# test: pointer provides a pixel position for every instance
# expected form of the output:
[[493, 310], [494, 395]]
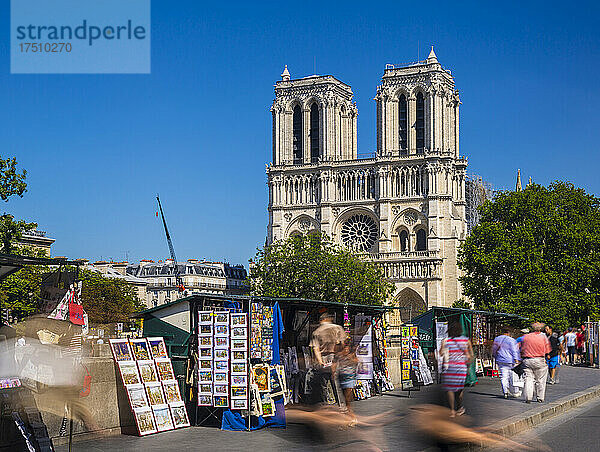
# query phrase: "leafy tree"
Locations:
[[20, 292], [462, 304], [12, 183], [536, 253], [108, 300], [311, 266]]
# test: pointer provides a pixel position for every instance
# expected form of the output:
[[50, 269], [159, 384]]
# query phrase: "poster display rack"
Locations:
[[147, 374]]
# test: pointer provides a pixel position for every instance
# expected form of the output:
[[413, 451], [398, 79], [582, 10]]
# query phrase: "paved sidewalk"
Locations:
[[483, 402]]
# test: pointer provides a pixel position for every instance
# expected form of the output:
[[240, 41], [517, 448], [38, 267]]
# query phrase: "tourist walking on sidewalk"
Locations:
[[457, 353], [506, 353], [534, 348], [571, 339], [553, 358]]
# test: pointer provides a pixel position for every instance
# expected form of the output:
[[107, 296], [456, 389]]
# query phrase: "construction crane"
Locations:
[[178, 279]]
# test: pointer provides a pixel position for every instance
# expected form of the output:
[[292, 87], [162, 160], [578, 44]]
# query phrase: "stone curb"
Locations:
[[532, 418]]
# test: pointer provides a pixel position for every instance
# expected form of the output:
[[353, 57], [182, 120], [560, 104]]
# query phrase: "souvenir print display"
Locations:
[[410, 376], [205, 400], [238, 332], [268, 406], [239, 356], [239, 392], [129, 373], [220, 389], [137, 396], [165, 369], [162, 416], [261, 332], [221, 330], [205, 317], [149, 401], [221, 401], [155, 394], [362, 341], [157, 347], [171, 390], [205, 353], [221, 354], [179, 414], [121, 350], [239, 380], [140, 349], [221, 341], [147, 371], [144, 421], [275, 382], [205, 341], [205, 376], [221, 366], [221, 318]]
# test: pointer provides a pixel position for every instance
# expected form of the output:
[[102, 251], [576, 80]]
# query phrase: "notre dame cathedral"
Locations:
[[403, 206]]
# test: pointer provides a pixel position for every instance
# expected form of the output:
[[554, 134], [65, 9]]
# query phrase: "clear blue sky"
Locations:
[[98, 148]]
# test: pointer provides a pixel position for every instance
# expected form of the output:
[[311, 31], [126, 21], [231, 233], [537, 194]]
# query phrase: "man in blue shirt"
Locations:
[[506, 353]]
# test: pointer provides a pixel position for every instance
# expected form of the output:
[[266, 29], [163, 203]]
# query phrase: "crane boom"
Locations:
[[178, 279]]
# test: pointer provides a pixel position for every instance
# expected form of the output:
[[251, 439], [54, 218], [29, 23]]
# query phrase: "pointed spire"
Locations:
[[530, 182], [432, 58], [285, 75], [519, 187]]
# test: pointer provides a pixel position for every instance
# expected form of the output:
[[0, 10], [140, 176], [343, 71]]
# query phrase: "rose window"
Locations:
[[359, 232]]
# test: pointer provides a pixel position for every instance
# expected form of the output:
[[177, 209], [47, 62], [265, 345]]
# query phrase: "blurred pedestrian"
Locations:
[[580, 344], [571, 339], [346, 370], [458, 353], [552, 358], [534, 348], [506, 353], [563, 348], [326, 342]]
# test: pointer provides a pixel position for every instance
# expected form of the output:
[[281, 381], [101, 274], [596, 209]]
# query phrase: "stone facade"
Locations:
[[404, 206]]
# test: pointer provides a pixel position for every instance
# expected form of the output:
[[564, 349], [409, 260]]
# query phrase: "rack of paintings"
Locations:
[[223, 359], [153, 392]]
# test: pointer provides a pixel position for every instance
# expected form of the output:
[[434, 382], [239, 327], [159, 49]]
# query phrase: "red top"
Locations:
[[535, 345], [580, 340]]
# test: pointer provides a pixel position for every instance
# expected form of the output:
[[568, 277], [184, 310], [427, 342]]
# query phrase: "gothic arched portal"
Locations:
[[410, 303]]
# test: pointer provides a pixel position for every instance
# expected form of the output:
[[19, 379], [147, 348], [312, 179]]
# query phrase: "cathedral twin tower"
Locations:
[[403, 206]]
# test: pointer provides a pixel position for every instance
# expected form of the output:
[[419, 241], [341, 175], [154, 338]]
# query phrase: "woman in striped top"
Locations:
[[458, 353]]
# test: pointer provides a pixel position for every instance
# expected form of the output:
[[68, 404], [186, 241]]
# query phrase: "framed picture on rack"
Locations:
[[147, 371], [121, 350], [221, 401], [205, 352], [222, 330], [221, 366], [220, 390], [239, 320], [171, 390], [162, 415], [240, 368], [205, 376], [239, 355], [239, 332], [144, 421], [155, 394], [205, 400], [261, 377], [205, 341], [205, 330], [158, 347], [221, 377], [239, 392], [129, 373], [205, 364], [239, 404], [239, 344], [221, 318], [239, 380], [165, 369], [179, 414], [140, 349], [205, 388], [205, 318], [221, 341], [137, 396], [221, 354]]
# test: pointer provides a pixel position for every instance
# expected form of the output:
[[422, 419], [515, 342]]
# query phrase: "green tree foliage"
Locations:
[[20, 292], [311, 267], [108, 300], [12, 182], [536, 253], [462, 304]]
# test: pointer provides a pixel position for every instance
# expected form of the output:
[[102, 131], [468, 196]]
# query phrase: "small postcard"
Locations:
[[222, 330], [220, 389], [222, 318], [221, 377], [147, 371], [205, 364], [221, 354], [221, 401], [140, 349], [205, 330], [239, 344], [239, 332], [221, 341], [205, 400], [204, 388], [239, 380], [239, 404], [179, 413], [205, 318], [239, 392], [121, 350], [158, 347], [239, 320], [205, 352], [240, 368], [155, 394], [205, 341]]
